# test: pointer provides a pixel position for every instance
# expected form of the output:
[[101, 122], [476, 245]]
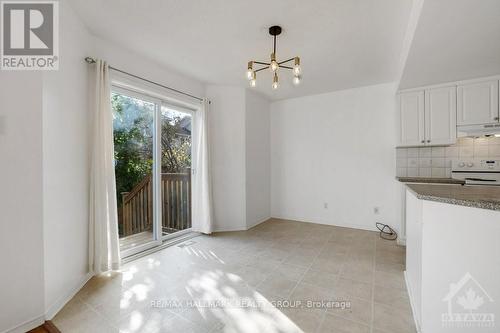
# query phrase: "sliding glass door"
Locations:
[[153, 159], [133, 131], [176, 158]]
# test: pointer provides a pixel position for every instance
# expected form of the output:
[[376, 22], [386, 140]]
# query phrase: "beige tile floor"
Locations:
[[252, 281]]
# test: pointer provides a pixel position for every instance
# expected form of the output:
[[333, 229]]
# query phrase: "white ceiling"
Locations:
[[454, 40], [342, 43]]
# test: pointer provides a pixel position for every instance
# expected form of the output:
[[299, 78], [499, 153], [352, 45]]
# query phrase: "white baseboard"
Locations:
[[344, 225], [227, 229], [250, 226], [412, 302], [26, 326], [52, 310], [241, 228]]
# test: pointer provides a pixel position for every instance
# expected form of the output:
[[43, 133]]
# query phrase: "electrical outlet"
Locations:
[[376, 210]]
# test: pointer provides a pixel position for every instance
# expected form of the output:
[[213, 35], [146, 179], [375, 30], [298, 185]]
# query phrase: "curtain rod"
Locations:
[[91, 60]]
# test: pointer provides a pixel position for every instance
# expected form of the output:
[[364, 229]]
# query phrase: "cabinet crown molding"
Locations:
[[451, 84]]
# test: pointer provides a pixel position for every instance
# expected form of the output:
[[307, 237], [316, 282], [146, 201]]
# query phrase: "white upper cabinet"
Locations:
[[428, 117], [477, 103], [411, 119], [441, 116]]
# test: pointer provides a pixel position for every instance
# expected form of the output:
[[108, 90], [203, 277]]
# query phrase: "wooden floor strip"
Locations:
[[47, 327]]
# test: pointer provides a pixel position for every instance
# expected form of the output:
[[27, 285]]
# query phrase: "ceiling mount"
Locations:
[[275, 30]]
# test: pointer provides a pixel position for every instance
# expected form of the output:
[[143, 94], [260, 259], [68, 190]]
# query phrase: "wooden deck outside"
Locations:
[[129, 242], [135, 214]]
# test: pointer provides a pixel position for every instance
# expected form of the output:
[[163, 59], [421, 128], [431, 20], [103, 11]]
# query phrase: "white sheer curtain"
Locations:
[[104, 248], [202, 180]]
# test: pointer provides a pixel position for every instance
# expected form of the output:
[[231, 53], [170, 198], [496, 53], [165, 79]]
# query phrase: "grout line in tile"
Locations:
[[299, 281], [349, 252], [105, 318]]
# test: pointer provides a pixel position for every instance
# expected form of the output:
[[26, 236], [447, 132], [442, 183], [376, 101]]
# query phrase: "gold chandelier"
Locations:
[[274, 65]]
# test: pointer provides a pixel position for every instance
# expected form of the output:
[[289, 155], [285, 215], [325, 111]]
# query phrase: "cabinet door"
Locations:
[[477, 103], [411, 119], [441, 116]]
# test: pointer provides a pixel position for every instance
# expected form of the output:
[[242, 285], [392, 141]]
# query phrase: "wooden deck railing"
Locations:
[[136, 213]]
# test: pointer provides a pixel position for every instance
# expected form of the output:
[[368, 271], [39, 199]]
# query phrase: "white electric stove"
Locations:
[[477, 171]]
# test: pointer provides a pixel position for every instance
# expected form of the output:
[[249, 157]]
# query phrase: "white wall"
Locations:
[[336, 148], [258, 159], [21, 236], [240, 156], [227, 136], [47, 174], [129, 61], [65, 166]]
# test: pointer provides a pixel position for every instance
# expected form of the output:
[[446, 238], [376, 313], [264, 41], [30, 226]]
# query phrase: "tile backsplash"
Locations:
[[435, 162]]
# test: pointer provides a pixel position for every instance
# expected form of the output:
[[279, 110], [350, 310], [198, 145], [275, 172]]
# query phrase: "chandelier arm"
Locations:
[[286, 67], [261, 69], [261, 63], [285, 61]]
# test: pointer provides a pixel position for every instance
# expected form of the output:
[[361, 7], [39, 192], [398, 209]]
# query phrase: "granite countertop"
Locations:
[[430, 180], [486, 197]]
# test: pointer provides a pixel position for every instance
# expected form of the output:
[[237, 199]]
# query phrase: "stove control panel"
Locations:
[[490, 165], [476, 165]]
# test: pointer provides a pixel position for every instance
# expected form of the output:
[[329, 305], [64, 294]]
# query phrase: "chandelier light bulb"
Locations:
[[296, 67], [253, 80], [250, 72], [275, 81], [296, 80], [274, 65]]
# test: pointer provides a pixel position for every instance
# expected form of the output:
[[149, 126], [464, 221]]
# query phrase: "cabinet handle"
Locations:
[[428, 141], [423, 141], [496, 118]]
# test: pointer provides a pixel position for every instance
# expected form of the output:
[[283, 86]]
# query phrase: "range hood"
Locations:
[[478, 130]]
